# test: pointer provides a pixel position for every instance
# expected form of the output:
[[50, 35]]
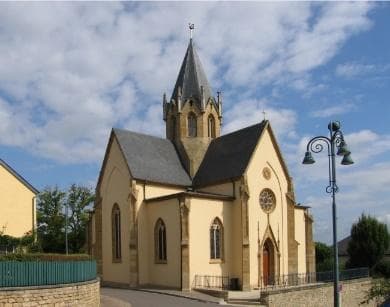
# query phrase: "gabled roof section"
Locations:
[[191, 77], [19, 177], [152, 159], [228, 156]]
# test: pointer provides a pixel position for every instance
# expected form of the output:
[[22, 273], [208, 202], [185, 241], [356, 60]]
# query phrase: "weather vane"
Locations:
[[263, 114], [192, 27]]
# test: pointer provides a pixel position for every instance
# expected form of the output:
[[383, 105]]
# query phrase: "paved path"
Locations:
[[111, 297]]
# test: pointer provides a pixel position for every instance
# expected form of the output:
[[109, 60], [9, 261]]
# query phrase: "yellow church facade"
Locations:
[[17, 203], [170, 211]]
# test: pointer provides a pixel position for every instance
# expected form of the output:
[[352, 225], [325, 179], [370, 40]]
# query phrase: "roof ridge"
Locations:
[[138, 133], [263, 122]]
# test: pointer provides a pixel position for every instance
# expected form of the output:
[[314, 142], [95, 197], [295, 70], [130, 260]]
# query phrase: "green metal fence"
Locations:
[[39, 273]]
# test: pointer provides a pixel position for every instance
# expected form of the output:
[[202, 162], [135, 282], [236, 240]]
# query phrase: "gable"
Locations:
[[18, 177], [268, 148]]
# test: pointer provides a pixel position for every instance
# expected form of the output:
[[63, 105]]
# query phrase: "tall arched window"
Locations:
[[192, 126], [211, 126], [160, 239], [216, 239], [116, 233]]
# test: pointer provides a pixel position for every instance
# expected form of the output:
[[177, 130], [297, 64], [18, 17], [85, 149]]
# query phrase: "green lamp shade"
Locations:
[[343, 149], [347, 160], [308, 159]]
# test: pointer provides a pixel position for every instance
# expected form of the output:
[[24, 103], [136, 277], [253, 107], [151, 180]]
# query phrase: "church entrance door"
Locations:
[[266, 265]]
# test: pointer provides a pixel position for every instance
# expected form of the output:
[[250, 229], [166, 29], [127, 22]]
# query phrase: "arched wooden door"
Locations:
[[266, 265]]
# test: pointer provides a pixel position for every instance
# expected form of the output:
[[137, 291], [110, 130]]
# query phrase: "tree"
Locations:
[[323, 257], [51, 220], [78, 200], [369, 241]]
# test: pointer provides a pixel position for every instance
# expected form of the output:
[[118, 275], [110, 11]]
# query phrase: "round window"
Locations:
[[267, 200]]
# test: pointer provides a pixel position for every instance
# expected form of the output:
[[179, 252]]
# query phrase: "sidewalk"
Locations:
[[193, 295]]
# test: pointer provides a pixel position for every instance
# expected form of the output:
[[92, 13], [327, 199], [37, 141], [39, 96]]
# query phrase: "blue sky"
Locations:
[[71, 71]]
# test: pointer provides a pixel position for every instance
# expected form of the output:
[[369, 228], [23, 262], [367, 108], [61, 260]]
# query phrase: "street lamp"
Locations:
[[316, 145]]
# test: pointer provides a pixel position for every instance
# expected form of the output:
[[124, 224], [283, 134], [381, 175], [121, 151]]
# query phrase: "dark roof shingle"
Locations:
[[152, 159], [191, 77], [228, 156]]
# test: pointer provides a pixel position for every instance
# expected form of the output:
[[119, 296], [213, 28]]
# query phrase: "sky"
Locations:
[[70, 71]]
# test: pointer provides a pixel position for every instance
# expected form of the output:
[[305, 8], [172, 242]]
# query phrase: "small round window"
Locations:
[[267, 200]]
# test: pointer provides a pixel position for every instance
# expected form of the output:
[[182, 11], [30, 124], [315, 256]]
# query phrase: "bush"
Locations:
[[45, 257], [382, 269]]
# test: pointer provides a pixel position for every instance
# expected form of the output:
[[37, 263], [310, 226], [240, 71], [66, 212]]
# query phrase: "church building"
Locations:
[[170, 211]]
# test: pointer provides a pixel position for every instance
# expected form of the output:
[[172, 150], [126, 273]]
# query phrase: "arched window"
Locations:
[[160, 239], [192, 126], [216, 239], [116, 233], [211, 126]]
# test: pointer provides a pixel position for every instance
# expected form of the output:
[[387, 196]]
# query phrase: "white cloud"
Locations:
[[350, 70], [334, 110], [71, 71], [249, 112]]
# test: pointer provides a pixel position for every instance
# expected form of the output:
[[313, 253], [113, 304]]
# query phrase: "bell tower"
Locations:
[[193, 116]]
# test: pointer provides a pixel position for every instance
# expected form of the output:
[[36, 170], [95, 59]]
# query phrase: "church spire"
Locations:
[[192, 81], [193, 116]]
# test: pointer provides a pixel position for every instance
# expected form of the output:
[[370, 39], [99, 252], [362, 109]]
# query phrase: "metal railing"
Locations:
[[7, 249], [279, 281], [292, 280], [39, 273], [211, 282]]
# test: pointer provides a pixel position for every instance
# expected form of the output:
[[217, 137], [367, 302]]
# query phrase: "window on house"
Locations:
[[160, 239], [116, 233], [216, 239], [211, 127], [192, 126]]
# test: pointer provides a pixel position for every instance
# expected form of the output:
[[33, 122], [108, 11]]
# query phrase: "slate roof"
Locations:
[[19, 177], [152, 159], [191, 77], [228, 156]]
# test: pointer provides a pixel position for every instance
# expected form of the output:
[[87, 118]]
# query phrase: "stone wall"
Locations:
[[85, 294], [353, 292]]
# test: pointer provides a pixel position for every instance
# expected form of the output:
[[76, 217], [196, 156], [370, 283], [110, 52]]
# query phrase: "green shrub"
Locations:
[[382, 269]]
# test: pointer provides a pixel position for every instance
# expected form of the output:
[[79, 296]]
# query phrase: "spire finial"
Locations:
[[191, 26], [263, 114]]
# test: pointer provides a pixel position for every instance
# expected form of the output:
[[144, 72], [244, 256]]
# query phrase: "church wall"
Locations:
[[265, 155], [17, 205], [300, 237], [163, 274], [201, 216], [151, 190], [115, 189], [226, 188], [156, 190], [236, 267]]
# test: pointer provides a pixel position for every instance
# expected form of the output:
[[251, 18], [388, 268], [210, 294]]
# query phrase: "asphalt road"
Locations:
[[125, 298]]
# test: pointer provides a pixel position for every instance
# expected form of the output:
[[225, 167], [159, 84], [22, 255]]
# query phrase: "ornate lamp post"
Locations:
[[316, 145]]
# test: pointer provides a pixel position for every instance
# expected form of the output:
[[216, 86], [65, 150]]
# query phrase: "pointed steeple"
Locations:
[[192, 81]]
